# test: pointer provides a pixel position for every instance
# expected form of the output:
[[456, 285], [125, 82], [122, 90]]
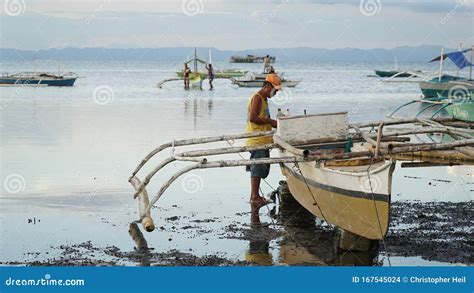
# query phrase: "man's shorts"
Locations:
[[260, 170]]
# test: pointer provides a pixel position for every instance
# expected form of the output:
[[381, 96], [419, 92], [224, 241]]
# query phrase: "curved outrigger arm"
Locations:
[[192, 141], [199, 157], [249, 162], [185, 156], [144, 213], [425, 100]]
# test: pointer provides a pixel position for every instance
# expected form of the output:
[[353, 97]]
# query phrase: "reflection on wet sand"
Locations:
[[197, 107], [304, 241], [141, 245], [258, 251]]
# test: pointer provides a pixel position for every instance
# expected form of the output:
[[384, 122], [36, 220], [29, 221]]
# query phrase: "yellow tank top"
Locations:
[[252, 127]]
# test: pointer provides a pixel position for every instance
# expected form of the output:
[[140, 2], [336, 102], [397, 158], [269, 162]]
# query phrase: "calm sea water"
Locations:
[[66, 153]]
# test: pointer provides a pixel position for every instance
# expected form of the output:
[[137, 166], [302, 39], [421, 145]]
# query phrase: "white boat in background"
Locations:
[[257, 79]]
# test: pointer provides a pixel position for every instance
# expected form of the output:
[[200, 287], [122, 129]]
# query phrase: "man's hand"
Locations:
[[273, 122]]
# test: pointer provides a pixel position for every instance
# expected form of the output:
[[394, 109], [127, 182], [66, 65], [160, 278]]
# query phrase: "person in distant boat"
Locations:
[[186, 73], [266, 64], [271, 70], [258, 120], [210, 74]]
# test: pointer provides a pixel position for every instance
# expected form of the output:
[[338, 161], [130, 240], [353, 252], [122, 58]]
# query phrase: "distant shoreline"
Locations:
[[404, 54]]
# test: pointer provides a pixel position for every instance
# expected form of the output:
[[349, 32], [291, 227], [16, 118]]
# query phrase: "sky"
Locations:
[[235, 25]]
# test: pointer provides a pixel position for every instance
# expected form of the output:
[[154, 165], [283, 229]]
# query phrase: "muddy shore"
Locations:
[[434, 231]]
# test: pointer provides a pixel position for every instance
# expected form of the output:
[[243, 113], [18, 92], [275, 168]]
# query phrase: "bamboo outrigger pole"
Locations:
[[201, 140], [392, 148]]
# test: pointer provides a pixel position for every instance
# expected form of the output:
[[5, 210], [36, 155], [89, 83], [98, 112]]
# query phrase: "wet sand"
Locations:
[[439, 232]]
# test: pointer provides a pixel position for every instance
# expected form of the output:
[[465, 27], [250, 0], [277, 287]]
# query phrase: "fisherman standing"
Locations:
[[210, 74], [186, 73], [266, 64], [258, 120]]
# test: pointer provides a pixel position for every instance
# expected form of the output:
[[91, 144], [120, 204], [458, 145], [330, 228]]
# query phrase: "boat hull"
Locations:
[[196, 81], [344, 199], [446, 87], [217, 74], [383, 73], [259, 83], [462, 111], [38, 82]]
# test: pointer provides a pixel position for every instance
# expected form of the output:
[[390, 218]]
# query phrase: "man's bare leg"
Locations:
[[255, 198]]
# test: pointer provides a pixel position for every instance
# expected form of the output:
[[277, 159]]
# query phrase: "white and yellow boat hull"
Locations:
[[351, 198]]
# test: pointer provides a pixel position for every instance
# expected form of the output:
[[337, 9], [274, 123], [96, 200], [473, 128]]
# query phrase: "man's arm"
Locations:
[[253, 114]]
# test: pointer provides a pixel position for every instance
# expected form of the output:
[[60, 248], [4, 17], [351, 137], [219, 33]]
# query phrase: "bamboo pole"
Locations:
[[394, 121], [248, 135], [430, 146], [294, 159], [366, 136], [295, 151], [379, 139], [441, 64], [199, 153], [237, 163], [454, 129], [424, 164], [439, 156], [201, 140], [143, 204]]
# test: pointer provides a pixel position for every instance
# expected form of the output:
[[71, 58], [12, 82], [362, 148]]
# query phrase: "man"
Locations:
[[210, 74], [186, 73], [258, 119], [266, 64]]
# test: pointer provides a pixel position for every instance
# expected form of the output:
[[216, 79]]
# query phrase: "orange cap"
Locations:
[[274, 80]]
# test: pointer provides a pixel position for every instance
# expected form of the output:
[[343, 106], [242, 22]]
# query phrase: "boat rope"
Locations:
[[231, 143], [310, 191], [264, 180], [377, 212]]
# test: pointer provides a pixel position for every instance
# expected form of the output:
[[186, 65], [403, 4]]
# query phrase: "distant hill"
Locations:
[[403, 54]]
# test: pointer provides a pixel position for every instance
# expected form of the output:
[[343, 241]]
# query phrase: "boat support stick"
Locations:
[[236, 163], [197, 153], [200, 140]]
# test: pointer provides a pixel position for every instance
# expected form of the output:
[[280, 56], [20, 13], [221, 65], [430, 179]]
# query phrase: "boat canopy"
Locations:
[[457, 58]]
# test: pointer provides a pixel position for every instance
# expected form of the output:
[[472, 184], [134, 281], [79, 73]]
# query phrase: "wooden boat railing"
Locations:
[[384, 143]]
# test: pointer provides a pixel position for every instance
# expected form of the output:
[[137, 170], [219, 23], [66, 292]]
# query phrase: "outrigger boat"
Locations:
[[222, 73], [250, 59], [460, 107], [257, 79], [38, 79], [462, 110], [197, 77], [444, 84], [338, 171], [396, 72]]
